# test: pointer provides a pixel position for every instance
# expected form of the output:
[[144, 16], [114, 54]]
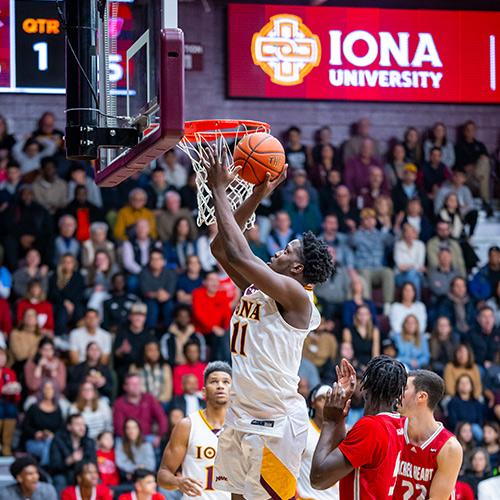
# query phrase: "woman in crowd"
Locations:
[[132, 451], [408, 305], [189, 280], [393, 169], [318, 174], [155, 374], [95, 410], [438, 138], [182, 244], [384, 211], [464, 407], [463, 432], [7, 140], [463, 363], [66, 293], [491, 436], [459, 307], [45, 365], [442, 344], [99, 280], [42, 420], [413, 148], [415, 216], [10, 396], [411, 344], [32, 270], [477, 469], [98, 241], [358, 299], [363, 335], [35, 299]]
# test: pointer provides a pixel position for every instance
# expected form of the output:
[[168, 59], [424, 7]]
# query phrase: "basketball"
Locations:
[[258, 154]]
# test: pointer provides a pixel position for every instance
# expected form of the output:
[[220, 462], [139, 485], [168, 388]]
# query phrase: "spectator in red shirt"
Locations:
[[140, 406], [87, 487], [5, 318], [35, 299], [211, 316], [106, 460], [144, 487], [193, 365]]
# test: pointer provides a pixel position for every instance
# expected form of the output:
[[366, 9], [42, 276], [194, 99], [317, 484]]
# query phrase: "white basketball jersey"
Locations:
[[266, 354], [199, 460], [304, 488]]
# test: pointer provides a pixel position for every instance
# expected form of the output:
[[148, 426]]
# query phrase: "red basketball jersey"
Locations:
[[373, 447], [418, 465]]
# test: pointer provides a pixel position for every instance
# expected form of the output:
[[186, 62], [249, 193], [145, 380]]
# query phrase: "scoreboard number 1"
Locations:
[[43, 56]]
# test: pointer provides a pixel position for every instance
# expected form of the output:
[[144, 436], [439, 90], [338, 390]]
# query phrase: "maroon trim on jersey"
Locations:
[[271, 492]]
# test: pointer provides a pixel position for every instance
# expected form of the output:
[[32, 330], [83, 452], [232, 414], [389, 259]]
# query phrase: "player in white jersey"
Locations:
[[266, 426], [193, 445], [305, 491]]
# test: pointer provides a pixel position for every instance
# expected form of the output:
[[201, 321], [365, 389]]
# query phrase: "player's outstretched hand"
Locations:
[[268, 186], [218, 174], [337, 404], [190, 487], [346, 377]]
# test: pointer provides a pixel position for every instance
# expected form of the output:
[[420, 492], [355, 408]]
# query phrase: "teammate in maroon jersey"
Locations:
[[366, 460], [432, 456]]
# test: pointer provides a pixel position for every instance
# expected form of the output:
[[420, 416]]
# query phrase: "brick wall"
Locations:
[[205, 98]]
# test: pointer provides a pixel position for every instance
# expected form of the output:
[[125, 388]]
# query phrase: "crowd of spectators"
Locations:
[[111, 302]]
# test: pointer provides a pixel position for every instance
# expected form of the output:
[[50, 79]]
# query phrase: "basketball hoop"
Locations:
[[220, 135]]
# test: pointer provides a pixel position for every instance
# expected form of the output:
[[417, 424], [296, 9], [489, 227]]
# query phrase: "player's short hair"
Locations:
[[140, 473], [317, 261], [216, 366], [430, 383], [384, 380]]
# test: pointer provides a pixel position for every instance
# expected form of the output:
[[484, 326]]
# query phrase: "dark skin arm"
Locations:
[[286, 291]]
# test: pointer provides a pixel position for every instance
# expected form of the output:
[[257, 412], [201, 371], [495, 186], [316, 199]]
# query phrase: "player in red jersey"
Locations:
[[366, 460], [432, 456]]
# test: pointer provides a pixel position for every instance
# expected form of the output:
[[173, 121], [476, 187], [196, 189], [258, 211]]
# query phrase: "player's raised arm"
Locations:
[[173, 456], [449, 461]]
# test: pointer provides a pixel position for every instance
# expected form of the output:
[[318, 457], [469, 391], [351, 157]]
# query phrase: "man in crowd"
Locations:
[[407, 189], [441, 276], [491, 271], [189, 401], [352, 147], [175, 173], [433, 173], [338, 241], [144, 482], [173, 211], [49, 189], [484, 338], [156, 190], [281, 234], [345, 210], [304, 213], [443, 239]]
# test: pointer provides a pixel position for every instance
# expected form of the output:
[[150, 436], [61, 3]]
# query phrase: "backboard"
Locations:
[[135, 110]]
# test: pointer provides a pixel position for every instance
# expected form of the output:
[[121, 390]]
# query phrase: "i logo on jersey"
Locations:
[[286, 49]]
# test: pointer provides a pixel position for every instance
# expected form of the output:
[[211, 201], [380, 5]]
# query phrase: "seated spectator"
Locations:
[[361, 132], [116, 309], [407, 189], [5, 320], [80, 178], [493, 303], [189, 280], [182, 244], [488, 276], [144, 482], [207, 260], [131, 213], [189, 400], [7, 140], [66, 290], [408, 305], [440, 277], [94, 409], [180, 331], [339, 241], [85, 212], [377, 187], [281, 234], [42, 420], [325, 161], [45, 365], [492, 388], [438, 138], [484, 338], [384, 211], [69, 447], [168, 217], [175, 173], [157, 285], [298, 180], [23, 341], [155, 374], [345, 210], [442, 344], [5, 280], [10, 396], [409, 257], [156, 189], [414, 215], [79, 338], [253, 236], [357, 168], [99, 280], [304, 213], [140, 406], [411, 344], [106, 459], [211, 315], [49, 189], [87, 487], [193, 365], [478, 469], [364, 336], [369, 246], [131, 339], [433, 173], [393, 169], [491, 436], [463, 432], [463, 363], [29, 153], [32, 270], [93, 371], [459, 307], [9, 186], [322, 137], [133, 451], [189, 195], [358, 299], [412, 145], [98, 241], [327, 194], [296, 153], [28, 485], [66, 243], [35, 299]]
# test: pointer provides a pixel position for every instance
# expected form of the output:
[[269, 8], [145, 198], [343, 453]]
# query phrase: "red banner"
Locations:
[[363, 54], [4, 43]]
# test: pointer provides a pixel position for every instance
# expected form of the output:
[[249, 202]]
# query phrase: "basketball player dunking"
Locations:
[[193, 444], [266, 425], [432, 456]]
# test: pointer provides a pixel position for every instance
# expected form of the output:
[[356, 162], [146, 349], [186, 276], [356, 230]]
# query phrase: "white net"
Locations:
[[239, 189]]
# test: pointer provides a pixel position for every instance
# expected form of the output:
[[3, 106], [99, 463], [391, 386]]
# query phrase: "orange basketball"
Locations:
[[258, 154]]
